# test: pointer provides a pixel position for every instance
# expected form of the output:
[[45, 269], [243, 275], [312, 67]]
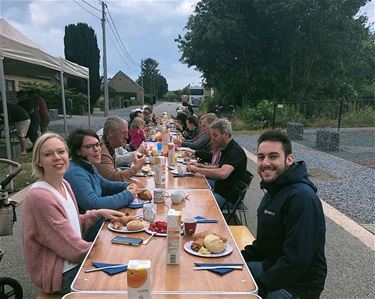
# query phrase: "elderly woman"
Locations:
[[52, 227], [91, 189]]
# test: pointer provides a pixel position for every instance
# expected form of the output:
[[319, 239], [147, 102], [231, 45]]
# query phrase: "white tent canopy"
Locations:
[[21, 56]]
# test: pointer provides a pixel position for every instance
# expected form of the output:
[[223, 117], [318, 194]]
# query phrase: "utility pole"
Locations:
[[105, 80]]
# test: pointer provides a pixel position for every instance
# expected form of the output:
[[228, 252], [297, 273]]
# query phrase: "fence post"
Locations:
[[339, 120], [274, 115]]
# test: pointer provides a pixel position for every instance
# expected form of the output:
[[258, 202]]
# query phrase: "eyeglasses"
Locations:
[[93, 146]]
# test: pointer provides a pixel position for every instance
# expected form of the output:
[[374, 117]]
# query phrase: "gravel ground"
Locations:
[[345, 185]]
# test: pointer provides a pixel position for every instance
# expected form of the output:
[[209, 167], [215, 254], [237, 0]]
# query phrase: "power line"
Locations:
[[86, 9], [120, 40], [117, 50], [92, 6]]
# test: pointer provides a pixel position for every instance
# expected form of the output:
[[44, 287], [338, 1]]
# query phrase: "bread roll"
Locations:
[[214, 244], [145, 195], [117, 225], [136, 225]]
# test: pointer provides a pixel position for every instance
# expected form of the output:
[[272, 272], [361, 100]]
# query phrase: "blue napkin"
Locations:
[[110, 271], [201, 219], [220, 272], [135, 205]]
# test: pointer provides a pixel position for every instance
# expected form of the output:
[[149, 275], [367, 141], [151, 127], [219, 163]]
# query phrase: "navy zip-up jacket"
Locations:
[[290, 235]]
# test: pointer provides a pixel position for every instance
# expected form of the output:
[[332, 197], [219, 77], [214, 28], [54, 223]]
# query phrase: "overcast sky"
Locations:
[[147, 29]]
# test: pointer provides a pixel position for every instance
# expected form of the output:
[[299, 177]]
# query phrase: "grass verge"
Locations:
[[24, 178]]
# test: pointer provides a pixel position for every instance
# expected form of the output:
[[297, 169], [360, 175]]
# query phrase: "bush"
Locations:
[[52, 96], [289, 113], [258, 117], [358, 117]]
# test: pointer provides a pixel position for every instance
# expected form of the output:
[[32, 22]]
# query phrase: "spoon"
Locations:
[[148, 239]]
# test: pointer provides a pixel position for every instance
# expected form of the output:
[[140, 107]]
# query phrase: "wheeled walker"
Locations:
[[9, 287]]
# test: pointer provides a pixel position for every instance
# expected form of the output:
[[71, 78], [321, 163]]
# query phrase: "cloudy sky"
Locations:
[[147, 29]]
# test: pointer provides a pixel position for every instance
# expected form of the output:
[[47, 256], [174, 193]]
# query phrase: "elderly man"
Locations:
[[115, 133], [232, 164]]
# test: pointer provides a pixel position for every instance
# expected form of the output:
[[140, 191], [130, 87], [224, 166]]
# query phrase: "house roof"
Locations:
[[120, 73]]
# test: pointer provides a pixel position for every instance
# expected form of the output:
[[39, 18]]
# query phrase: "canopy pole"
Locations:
[[63, 102], [5, 108], [88, 102]]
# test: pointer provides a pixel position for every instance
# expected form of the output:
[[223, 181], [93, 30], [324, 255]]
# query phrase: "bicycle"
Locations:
[[9, 287]]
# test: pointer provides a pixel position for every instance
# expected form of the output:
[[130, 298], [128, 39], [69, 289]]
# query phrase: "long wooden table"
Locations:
[[169, 279], [82, 295], [197, 181]]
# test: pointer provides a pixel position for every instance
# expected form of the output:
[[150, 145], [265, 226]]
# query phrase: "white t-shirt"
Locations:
[[70, 210]]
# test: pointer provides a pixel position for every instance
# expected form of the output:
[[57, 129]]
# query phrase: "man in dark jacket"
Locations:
[[287, 259]]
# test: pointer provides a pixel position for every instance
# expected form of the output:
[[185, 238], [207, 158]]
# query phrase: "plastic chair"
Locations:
[[232, 206]]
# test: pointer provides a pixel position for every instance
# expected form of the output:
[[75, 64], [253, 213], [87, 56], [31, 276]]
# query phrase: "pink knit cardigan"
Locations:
[[48, 237]]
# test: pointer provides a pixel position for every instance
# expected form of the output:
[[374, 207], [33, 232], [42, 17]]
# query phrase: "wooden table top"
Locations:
[[168, 278], [82, 295], [197, 181]]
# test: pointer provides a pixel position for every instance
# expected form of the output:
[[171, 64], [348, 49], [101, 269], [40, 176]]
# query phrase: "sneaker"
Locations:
[[24, 153]]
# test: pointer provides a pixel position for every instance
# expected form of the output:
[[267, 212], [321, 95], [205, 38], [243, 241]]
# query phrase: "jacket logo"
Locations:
[[269, 213]]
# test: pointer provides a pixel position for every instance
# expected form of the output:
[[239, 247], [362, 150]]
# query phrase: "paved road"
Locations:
[[351, 264]]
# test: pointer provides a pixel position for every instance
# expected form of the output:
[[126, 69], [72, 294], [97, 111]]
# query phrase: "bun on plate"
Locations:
[[136, 225], [145, 195], [214, 244]]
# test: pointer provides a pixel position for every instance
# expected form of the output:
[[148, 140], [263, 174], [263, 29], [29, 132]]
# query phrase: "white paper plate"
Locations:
[[124, 229], [138, 200], [174, 171], [188, 249]]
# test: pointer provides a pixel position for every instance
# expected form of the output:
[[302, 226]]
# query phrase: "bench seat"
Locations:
[[43, 295], [242, 235]]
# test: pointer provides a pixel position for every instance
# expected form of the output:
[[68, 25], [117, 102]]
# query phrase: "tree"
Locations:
[[154, 84], [292, 50], [81, 47]]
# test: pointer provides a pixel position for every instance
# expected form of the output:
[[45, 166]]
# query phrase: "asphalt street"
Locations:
[[351, 264]]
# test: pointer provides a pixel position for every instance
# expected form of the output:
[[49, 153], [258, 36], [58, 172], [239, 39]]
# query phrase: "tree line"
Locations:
[[285, 50]]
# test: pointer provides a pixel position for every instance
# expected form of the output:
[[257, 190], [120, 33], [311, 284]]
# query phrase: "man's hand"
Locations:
[[142, 148], [138, 162], [192, 168], [110, 214]]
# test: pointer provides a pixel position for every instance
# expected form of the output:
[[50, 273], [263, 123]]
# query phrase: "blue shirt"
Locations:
[[92, 191]]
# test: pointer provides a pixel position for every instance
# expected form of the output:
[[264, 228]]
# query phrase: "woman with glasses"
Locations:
[[91, 189], [52, 227]]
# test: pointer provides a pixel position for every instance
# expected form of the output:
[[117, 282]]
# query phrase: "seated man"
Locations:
[[115, 133], [287, 258], [123, 156], [232, 164]]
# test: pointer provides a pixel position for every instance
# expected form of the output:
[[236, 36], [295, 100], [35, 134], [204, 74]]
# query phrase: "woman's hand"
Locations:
[[110, 214], [133, 189]]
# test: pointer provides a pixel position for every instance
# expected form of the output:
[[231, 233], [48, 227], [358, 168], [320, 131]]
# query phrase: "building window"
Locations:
[[10, 85]]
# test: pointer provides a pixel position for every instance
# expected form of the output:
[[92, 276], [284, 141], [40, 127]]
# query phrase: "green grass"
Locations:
[[24, 178]]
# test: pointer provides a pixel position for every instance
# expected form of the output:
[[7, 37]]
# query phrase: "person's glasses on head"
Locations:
[[91, 147]]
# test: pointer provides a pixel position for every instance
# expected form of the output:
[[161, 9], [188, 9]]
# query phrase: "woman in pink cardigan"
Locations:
[[136, 133], [52, 227]]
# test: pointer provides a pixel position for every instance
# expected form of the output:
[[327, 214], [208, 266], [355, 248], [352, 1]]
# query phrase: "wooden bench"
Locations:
[[43, 295], [242, 235]]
